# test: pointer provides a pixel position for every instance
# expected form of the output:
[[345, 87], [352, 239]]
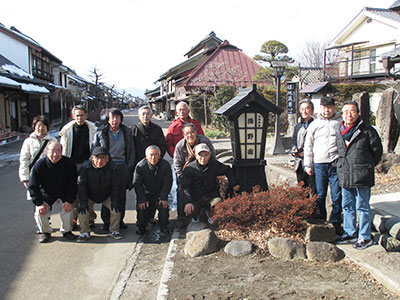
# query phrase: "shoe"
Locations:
[[116, 235], [122, 225], [69, 235], [363, 244], [44, 237], [346, 239], [83, 237], [164, 232], [209, 220], [180, 224]]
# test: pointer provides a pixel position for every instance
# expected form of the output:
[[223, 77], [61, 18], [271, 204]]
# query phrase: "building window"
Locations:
[[372, 61]]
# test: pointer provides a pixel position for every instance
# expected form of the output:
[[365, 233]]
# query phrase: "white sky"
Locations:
[[133, 42]]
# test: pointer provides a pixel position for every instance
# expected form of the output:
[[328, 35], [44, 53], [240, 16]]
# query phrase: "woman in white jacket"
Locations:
[[32, 146]]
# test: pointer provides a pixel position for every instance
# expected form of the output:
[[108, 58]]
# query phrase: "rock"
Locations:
[[378, 221], [389, 243], [322, 232], [324, 252], [286, 248], [193, 228], [201, 243], [363, 103], [238, 248], [392, 225]]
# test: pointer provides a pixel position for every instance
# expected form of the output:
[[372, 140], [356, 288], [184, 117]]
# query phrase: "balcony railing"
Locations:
[[41, 74]]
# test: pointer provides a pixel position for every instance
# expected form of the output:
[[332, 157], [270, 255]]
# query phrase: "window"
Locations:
[[372, 61]]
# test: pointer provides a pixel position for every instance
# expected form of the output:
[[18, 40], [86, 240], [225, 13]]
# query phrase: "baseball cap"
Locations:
[[100, 151], [201, 147]]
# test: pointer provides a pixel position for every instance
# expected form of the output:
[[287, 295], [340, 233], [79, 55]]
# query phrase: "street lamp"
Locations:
[[279, 70]]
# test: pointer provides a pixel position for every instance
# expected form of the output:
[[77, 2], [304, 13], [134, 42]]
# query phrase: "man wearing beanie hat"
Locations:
[[320, 156], [199, 182], [99, 182]]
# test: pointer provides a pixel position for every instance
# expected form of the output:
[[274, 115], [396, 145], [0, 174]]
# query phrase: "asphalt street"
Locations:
[[61, 269]]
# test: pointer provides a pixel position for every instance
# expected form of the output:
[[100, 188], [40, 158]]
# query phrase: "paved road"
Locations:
[[101, 268]]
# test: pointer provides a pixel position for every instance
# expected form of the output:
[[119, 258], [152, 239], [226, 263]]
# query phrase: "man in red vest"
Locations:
[[175, 134]]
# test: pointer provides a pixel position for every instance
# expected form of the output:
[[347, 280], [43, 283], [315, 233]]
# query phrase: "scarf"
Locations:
[[347, 132], [191, 155]]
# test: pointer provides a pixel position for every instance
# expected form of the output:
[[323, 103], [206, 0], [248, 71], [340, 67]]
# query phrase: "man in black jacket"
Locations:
[[360, 150], [199, 182], [53, 178], [152, 182], [146, 133], [99, 182], [118, 140]]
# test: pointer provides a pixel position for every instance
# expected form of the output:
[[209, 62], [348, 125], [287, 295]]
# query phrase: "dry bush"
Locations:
[[282, 209]]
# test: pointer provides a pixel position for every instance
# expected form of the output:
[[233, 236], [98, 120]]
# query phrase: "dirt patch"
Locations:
[[221, 276]]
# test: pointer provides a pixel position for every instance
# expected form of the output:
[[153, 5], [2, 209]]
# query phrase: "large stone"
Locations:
[[286, 248], [320, 232], [363, 103], [201, 243], [238, 248], [386, 123], [392, 224], [194, 227], [324, 252], [378, 221]]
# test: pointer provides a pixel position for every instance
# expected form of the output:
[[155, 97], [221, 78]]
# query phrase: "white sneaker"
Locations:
[[116, 235], [83, 237]]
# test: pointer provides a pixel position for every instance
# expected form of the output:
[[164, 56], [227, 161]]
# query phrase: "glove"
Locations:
[[115, 207], [82, 210]]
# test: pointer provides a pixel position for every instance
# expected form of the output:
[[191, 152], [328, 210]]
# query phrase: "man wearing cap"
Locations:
[[99, 182], [76, 138], [53, 179], [360, 150], [174, 134], [183, 155], [199, 182], [320, 157], [152, 181]]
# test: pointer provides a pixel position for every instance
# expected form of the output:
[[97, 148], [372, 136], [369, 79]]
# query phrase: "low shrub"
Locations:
[[282, 209], [215, 133]]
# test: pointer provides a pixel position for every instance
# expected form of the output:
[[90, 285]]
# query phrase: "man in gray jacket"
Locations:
[[320, 156], [360, 150]]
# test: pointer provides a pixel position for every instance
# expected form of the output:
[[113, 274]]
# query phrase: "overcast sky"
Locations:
[[133, 42]]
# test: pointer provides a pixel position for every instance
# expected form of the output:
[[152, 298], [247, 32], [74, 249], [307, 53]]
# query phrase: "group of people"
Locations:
[[339, 150], [90, 165]]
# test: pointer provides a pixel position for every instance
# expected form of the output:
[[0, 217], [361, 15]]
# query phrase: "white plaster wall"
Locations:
[[374, 32], [15, 51]]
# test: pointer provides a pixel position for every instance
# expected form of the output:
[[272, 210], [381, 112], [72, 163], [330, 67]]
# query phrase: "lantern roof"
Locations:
[[245, 97]]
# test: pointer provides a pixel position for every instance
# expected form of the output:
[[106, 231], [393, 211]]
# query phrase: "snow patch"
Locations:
[[17, 71]]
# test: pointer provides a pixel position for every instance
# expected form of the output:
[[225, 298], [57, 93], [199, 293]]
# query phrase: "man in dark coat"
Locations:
[[146, 133], [99, 182], [53, 178], [360, 150], [152, 182], [118, 140], [199, 182]]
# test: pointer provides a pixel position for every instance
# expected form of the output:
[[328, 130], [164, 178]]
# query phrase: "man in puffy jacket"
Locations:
[[100, 182], [360, 150], [76, 138], [199, 182], [320, 156], [152, 182]]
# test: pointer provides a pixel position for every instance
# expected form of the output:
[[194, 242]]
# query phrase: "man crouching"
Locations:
[[99, 182], [152, 181], [199, 182]]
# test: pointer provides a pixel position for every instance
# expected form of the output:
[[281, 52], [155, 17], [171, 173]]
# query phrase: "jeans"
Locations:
[[326, 173], [356, 198]]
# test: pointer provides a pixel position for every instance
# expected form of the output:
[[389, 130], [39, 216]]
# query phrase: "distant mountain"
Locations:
[[135, 92]]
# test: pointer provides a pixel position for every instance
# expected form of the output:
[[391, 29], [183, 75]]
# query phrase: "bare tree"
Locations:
[[312, 54], [96, 75]]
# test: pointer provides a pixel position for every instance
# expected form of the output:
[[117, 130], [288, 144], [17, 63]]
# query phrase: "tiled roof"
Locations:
[[385, 13], [310, 75], [315, 87], [229, 57]]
